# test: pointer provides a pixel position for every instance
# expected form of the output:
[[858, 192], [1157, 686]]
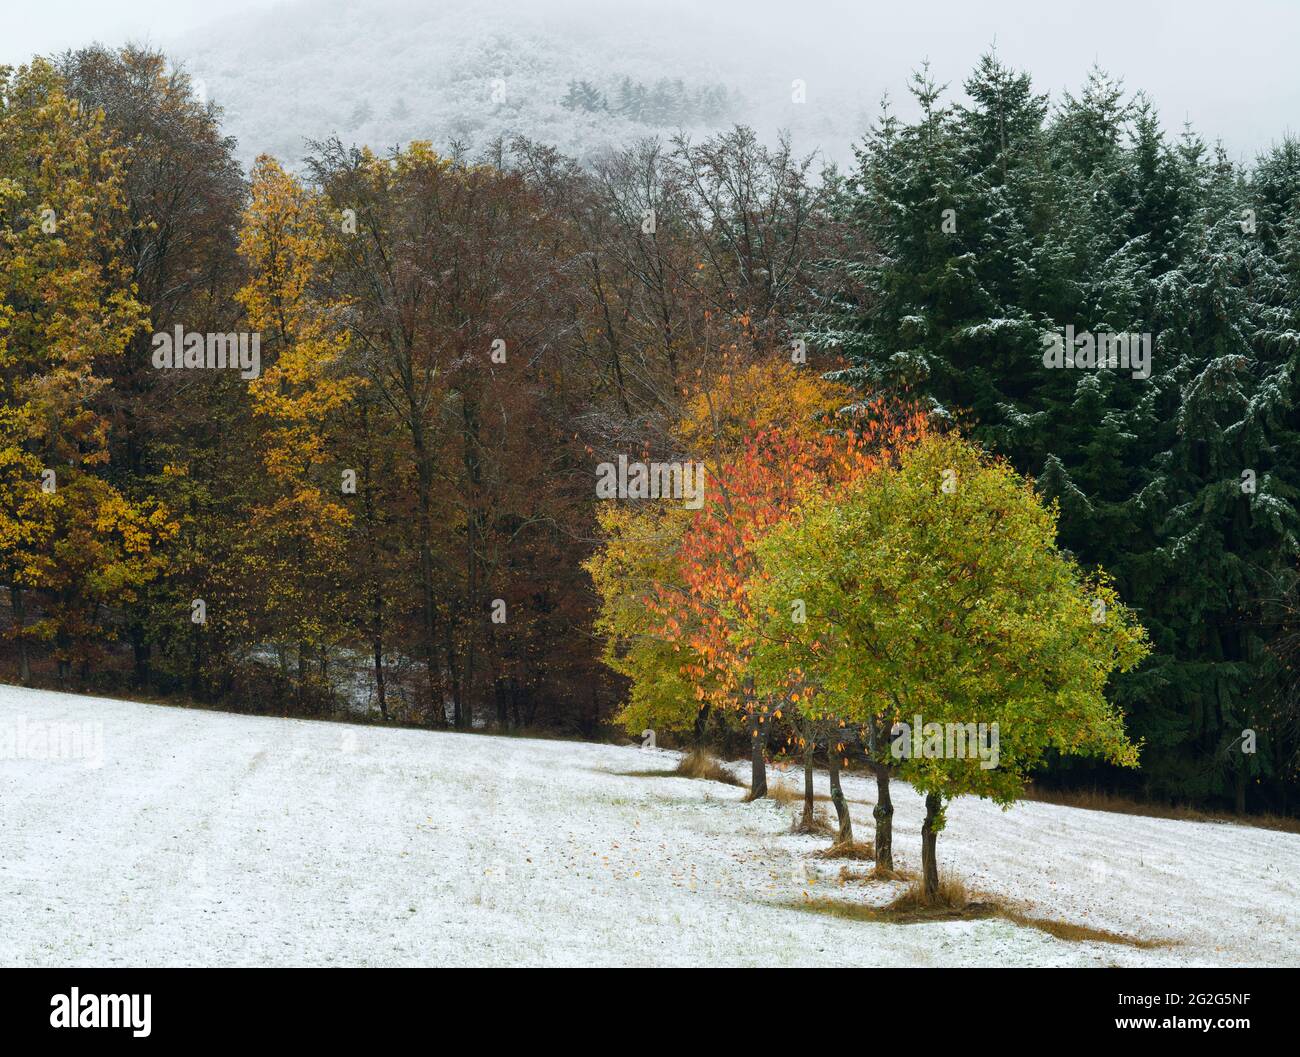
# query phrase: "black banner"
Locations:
[[144, 1006]]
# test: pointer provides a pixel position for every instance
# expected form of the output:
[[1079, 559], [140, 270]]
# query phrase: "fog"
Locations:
[[304, 69]]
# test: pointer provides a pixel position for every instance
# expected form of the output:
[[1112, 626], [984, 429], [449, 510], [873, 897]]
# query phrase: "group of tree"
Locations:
[[835, 586], [398, 506], [392, 509]]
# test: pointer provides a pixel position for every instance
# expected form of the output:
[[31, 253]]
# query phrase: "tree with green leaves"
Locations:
[[935, 593]]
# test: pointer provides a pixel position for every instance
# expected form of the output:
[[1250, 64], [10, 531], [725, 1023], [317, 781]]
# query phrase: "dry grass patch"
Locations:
[[699, 764], [817, 826], [788, 795], [693, 765], [1068, 930], [951, 895], [859, 850], [877, 874], [954, 903], [783, 793], [848, 875]]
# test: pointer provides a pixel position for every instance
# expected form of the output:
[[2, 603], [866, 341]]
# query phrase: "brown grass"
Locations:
[[699, 764], [888, 915], [877, 873], [881, 873], [858, 850], [954, 903], [818, 826], [1068, 930], [796, 795], [692, 765], [1098, 800], [951, 895], [784, 794]]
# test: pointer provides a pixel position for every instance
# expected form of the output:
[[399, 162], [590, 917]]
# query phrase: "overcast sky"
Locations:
[[1231, 68], [29, 27]]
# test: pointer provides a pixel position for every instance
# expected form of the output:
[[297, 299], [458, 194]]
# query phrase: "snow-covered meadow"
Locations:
[[201, 838]]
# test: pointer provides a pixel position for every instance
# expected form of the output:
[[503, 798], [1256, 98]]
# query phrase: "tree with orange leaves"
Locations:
[[745, 499], [637, 570]]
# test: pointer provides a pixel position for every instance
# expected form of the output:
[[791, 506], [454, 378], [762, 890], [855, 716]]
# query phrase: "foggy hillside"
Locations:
[[383, 72]]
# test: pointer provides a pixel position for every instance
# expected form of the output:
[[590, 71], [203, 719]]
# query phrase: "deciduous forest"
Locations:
[[996, 425]]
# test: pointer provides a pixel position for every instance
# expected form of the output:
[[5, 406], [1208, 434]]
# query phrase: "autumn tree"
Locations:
[[67, 307], [183, 191], [637, 562], [652, 630], [936, 593], [451, 274], [297, 533], [746, 499]]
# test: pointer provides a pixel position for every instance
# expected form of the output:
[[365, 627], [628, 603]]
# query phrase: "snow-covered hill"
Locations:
[[383, 72], [134, 834]]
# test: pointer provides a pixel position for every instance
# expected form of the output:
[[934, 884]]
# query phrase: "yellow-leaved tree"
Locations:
[[297, 535], [69, 537]]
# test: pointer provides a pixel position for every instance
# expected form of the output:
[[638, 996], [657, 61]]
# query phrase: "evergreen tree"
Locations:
[[1088, 218]]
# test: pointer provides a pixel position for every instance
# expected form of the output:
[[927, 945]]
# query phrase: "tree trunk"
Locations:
[[281, 684], [611, 336], [196, 661], [837, 794], [380, 692], [424, 536], [141, 653], [810, 747], [454, 674], [1241, 789], [883, 813], [302, 673], [370, 523], [474, 532], [757, 743], [499, 695], [20, 623], [701, 726], [929, 835]]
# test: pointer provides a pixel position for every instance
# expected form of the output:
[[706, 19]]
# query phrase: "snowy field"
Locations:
[[180, 837]]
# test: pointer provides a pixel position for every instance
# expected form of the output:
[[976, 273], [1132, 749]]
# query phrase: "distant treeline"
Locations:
[[664, 103]]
